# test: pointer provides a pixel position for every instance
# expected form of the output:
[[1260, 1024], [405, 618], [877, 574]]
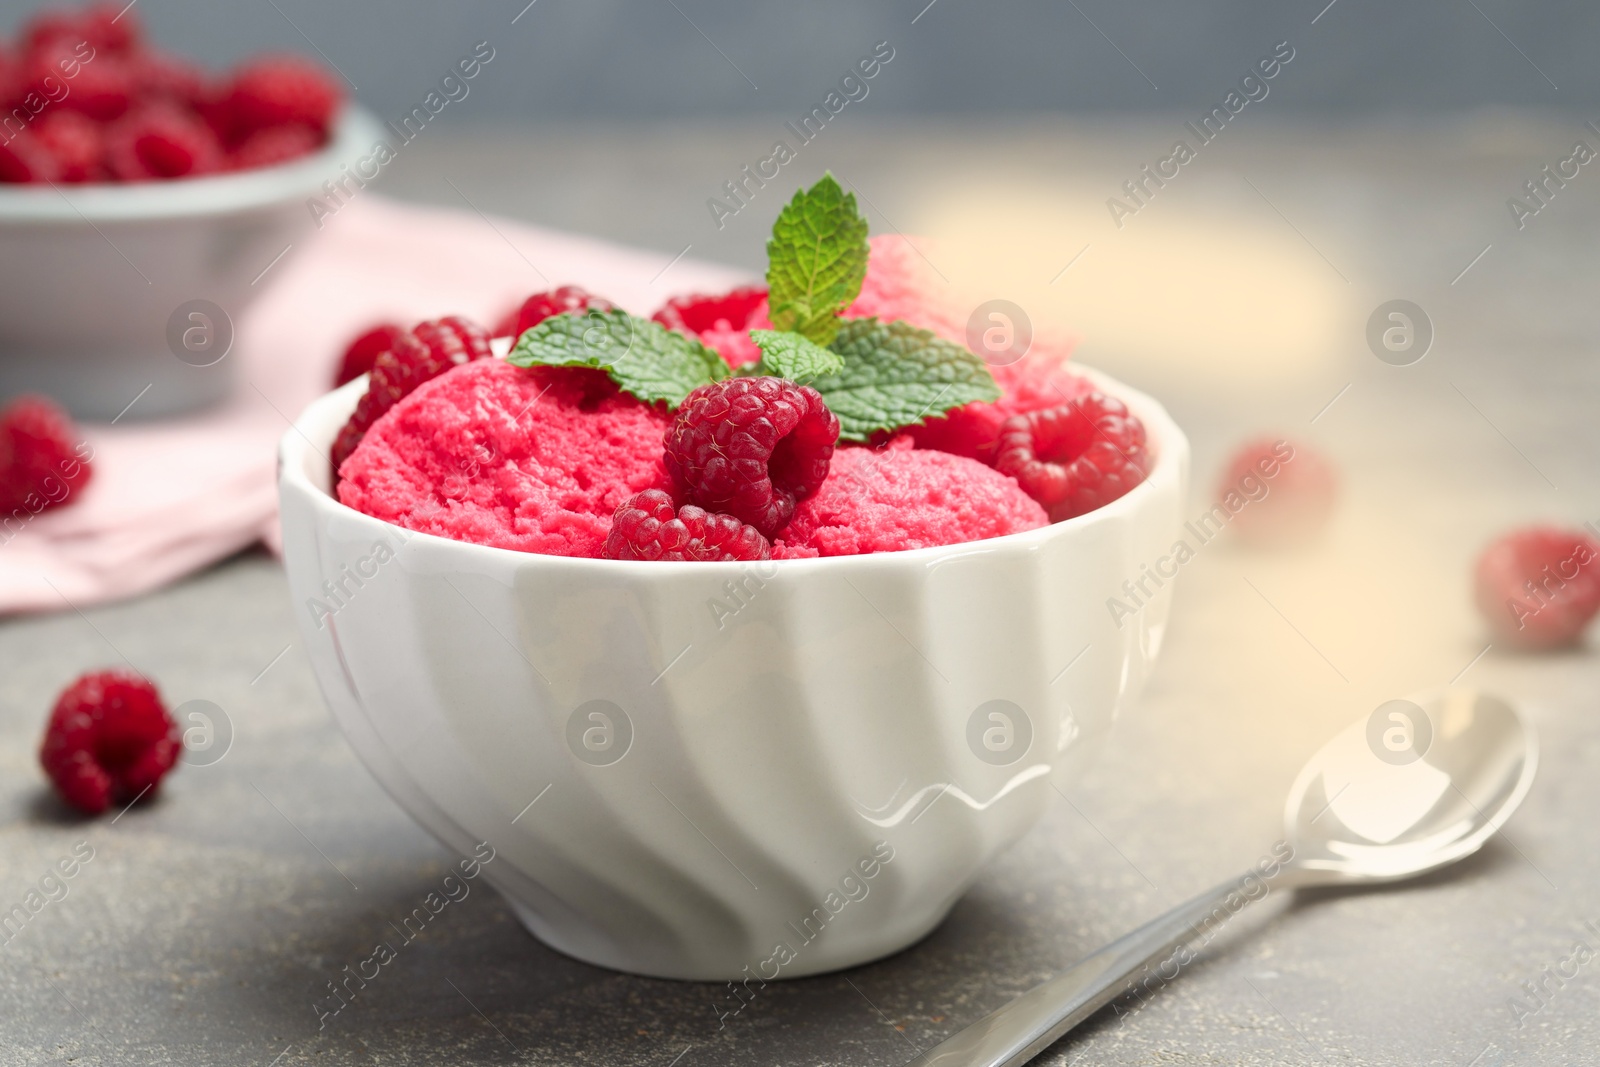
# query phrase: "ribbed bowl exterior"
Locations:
[[727, 771]]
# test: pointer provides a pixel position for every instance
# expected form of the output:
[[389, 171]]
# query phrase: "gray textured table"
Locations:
[[207, 923]]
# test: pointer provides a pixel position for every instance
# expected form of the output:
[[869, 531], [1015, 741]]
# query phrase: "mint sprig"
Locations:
[[643, 357], [816, 260], [792, 356], [898, 375]]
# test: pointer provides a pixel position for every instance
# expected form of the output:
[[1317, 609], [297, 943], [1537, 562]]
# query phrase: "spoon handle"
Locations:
[[1019, 1031]]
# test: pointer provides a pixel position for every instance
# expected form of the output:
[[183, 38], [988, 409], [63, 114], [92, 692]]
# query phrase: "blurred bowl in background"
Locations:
[[110, 293]]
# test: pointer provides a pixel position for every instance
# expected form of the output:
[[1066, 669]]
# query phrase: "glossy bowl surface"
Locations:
[[717, 771]]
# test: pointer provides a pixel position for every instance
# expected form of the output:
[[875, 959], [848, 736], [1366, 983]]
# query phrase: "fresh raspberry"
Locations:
[[562, 301], [26, 158], [1538, 587], [48, 28], [107, 27], [364, 349], [418, 355], [721, 322], [647, 526], [1278, 493], [506, 324], [274, 145], [752, 447], [277, 90], [1033, 383], [1076, 457], [76, 142], [113, 27], [41, 465], [103, 88], [159, 75], [109, 739], [161, 141], [215, 108], [76, 76]]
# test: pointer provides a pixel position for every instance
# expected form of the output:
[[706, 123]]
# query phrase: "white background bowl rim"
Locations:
[[354, 134], [320, 421]]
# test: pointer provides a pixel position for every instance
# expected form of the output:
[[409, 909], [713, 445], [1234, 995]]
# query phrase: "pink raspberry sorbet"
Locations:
[[535, 460], [901, 284], [888, 500]]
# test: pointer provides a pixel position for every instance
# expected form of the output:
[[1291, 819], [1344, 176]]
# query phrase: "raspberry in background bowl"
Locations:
[[108, 286], [675, 761]]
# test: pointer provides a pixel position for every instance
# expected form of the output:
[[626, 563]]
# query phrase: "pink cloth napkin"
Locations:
[[171, 497]]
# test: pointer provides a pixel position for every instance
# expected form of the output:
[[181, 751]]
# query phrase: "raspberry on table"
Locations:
[[281, 89], [161, 141], [109, 739], [418, 355], [720, 322], [40, 463], [1076, 457], [1288, 492], [752, 447], [358, 357], [540, 306], [1539, 587], [273, 146], [648, 527]]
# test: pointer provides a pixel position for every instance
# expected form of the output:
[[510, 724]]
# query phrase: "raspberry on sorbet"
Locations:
[[1076, 457], [752, 447], [540, 306], [648, 527], [359, 355], [418, 355], [722, 322]]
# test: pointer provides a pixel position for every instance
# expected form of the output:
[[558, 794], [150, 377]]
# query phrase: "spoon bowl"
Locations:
[[1418, 785]]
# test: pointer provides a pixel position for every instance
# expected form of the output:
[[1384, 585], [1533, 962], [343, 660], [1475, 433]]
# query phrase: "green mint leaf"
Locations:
[[789, 355], [898, 375], [643, 357], [816, 260]]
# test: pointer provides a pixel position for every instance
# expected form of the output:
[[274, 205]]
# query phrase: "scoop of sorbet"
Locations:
[[896, 498], [533, 459]]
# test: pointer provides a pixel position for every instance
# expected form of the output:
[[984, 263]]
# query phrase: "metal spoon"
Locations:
[[1414, 787]]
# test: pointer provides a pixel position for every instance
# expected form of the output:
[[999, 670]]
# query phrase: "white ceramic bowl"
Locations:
[[689, 770], [91, 277]]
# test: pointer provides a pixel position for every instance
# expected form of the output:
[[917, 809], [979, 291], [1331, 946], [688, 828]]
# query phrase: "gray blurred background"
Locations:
[[577, 59], [1379, 167]]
